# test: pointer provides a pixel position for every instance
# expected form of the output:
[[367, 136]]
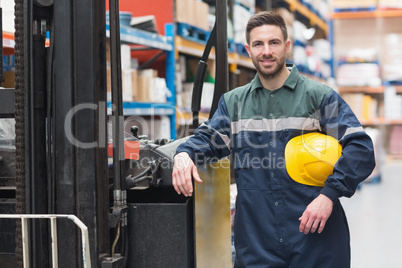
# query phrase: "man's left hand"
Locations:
[[316, 215]]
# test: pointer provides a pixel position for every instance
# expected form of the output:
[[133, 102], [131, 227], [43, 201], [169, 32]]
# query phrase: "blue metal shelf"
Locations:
[[135, 36], [145, 108], [342, 62]]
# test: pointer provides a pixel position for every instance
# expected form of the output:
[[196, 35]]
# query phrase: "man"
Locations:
[[280, 222]]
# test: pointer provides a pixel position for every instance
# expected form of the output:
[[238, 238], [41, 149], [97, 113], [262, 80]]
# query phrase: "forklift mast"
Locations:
[[61, 170], [61, 158]]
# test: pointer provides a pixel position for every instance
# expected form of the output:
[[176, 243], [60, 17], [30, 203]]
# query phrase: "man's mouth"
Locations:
[[267, 61]]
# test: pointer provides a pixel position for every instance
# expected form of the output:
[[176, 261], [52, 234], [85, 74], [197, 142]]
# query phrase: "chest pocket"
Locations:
[[242, 151]]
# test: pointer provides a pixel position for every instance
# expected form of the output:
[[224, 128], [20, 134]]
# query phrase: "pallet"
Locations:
[[241, 50], [393, 83], [198, 35], [192, 33], [355, 9]]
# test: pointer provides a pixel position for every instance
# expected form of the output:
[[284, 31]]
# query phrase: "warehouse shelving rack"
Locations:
[[367, 14], [129, 35], [237, 58], [173, 44], [379, 20]]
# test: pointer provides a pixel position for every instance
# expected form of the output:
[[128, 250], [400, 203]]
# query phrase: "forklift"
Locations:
[[131, 215]]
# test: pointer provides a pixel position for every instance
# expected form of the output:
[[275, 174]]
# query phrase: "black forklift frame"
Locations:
[[59, 170], [60, 112]]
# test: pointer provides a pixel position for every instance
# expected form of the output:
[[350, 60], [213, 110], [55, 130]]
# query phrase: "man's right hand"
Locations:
[[183, 172]]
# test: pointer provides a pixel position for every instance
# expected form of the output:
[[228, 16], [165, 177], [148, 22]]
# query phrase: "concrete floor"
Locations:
[[375, 219]]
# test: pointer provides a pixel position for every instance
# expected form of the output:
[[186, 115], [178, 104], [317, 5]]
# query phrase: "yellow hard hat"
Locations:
[[310, 158]]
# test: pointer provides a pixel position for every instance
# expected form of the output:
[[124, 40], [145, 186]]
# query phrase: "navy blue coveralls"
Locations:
[[255, 125]]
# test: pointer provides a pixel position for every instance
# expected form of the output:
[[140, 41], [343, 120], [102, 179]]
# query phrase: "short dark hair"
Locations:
[[266, 18]]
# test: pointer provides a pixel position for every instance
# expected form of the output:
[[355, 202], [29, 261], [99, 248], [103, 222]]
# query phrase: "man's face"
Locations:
[[267, 50]]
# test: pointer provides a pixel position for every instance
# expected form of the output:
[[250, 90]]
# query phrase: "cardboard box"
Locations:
[[8, 79], [201, 11], [134, 83], [130, 84], [192, 12], [355, 101], [184, 11], [145, 84]]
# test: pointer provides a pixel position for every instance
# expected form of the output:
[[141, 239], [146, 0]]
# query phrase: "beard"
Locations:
[[272, 72]]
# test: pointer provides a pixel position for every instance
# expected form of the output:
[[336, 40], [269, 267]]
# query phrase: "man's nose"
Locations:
[[267, 50]]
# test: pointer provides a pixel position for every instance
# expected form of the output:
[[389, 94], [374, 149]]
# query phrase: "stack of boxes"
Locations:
[[354, 4], [359, 74], [385, 4], [137, 85], [360, 69], [140, 86], [391, 61], [366, 4], [129, 75], [391, 72], [384, 69], [392, 104], [364, 106], [193, 12]]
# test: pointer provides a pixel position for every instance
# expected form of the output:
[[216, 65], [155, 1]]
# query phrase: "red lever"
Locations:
[[131, 150]]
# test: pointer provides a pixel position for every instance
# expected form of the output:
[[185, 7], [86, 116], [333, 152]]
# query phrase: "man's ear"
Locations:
[[287, 46], [248, 49]]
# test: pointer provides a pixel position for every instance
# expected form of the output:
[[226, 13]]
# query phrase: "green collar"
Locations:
[[290, 82]]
